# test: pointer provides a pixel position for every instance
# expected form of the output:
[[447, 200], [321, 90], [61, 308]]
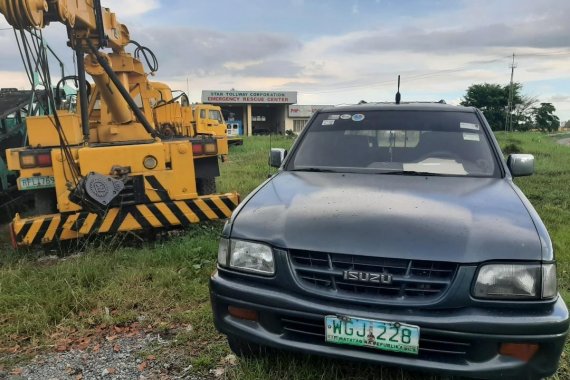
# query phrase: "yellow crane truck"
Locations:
[[131, 156]]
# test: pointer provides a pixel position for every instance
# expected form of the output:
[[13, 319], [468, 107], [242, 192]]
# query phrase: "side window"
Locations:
[[202, 114], [216, 115]]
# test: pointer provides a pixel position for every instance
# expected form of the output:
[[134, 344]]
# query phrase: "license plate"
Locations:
[[382, 335], [39, 182]]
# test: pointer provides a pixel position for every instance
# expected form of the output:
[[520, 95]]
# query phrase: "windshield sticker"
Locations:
[[474, 127], [345, 116], [334, 117], [357, 117], [471, 137], [328, 122]]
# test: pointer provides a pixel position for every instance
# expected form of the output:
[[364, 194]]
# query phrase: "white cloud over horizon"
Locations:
[[439, 53]]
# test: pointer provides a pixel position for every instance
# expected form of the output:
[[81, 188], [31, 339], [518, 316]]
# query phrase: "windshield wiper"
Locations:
[[318, 170], [413, 173]]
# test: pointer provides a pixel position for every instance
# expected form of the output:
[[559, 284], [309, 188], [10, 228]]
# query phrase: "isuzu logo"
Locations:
[[376, 278]]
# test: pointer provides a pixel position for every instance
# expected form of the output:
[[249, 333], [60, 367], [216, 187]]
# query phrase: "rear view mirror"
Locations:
[[276, 157], [521, 165]]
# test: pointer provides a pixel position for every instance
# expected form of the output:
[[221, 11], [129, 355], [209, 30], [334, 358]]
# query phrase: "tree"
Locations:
[[522, 117], [493, 100], [544, 118]]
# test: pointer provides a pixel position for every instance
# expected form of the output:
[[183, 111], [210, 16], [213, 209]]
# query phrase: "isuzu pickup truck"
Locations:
[[394, 234]]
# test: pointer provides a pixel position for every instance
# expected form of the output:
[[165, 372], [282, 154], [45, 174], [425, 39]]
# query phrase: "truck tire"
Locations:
[[206, 186], [244, 349]]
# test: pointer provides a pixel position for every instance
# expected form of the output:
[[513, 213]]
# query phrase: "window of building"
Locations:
[[298, 125]]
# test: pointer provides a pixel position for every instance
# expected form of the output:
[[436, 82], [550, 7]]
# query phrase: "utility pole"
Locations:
[[509, 118]]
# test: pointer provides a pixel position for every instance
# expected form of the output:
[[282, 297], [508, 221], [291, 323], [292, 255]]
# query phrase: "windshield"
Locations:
[[397, 142]]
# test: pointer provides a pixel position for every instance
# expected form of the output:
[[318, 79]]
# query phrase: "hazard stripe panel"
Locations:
[[47, 228]]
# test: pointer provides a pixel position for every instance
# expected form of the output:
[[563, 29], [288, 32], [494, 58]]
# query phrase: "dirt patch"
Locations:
[[564, 141], [123, 357]]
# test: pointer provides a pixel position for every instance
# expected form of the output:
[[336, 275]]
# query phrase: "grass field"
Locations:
[[165, 284]]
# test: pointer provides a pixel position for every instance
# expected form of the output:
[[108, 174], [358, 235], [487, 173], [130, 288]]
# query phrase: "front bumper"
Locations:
[[461, 342]]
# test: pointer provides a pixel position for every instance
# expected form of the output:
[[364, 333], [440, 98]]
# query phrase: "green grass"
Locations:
[[166, 284]]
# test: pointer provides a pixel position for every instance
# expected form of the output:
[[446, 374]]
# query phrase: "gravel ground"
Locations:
[[564, 142], [121, 359]]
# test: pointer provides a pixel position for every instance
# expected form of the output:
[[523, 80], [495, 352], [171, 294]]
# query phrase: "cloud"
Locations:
[[204, 52], [439, 49], [355, 8], [269, 68], [559, 98], [131, 8], [529, 34]]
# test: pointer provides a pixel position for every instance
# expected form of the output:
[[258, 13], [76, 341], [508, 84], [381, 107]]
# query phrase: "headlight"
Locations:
[[516, 281], [246, 256]]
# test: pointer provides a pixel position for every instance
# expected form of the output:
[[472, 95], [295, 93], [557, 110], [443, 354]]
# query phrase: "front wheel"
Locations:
[[206, 186]]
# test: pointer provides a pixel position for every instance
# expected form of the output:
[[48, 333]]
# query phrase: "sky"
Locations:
[[342, 51]]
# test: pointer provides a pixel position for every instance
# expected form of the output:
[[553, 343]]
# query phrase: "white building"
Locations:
[[262, 112]]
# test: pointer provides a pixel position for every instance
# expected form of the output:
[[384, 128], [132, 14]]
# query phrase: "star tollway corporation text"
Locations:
[[266, 97]]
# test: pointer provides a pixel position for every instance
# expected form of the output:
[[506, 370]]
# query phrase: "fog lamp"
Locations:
[[238, 312], [521, 351]]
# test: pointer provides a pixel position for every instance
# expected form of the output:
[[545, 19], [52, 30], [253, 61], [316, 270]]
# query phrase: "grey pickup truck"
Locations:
[[394, 234]]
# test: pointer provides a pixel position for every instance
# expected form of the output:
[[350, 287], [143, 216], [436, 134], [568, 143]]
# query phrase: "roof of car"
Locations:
[[418, 106]]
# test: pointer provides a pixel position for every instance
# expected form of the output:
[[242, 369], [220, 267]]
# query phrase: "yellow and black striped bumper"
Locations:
[[44, 229]]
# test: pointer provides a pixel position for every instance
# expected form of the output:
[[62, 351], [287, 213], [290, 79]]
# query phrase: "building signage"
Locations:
[[253, 97], [305, 111]]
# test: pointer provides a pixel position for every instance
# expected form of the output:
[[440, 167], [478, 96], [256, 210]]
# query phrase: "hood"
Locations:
[[459, 219]]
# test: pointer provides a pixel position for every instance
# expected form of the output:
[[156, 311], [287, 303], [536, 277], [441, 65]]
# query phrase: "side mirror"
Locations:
[[276, 157], [521, 165]]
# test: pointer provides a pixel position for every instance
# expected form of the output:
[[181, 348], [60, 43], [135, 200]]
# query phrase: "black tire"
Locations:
[[245, 349], [206, 186]]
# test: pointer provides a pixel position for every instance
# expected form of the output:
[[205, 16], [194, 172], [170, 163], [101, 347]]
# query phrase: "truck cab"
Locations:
[[208, 120]]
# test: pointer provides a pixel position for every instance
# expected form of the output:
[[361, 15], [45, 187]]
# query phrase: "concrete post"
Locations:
[[249, 128]]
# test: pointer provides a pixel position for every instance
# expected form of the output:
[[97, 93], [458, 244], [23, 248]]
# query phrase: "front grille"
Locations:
[[414, 280], [312, 330]]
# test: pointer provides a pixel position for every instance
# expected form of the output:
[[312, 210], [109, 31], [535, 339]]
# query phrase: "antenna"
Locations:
[[398, 95]]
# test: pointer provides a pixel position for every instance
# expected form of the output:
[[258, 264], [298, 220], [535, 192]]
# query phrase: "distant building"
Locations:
[[299, 115], [262, 112]]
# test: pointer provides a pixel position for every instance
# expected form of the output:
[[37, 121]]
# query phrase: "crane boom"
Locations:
[[90, 27], [85, 18]]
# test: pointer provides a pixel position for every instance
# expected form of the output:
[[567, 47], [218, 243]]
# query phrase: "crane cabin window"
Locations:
[[216, 115]]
